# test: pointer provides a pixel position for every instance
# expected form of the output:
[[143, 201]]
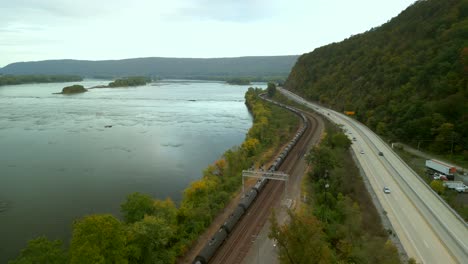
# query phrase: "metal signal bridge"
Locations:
[[279, 176]]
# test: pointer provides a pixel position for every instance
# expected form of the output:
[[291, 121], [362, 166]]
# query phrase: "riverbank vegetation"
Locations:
[[23, 79], [158, 231], [73, 89], [338, 222], [130, 81], [406, 80]]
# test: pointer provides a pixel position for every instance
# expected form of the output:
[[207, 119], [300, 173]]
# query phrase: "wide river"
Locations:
[[60, 159]]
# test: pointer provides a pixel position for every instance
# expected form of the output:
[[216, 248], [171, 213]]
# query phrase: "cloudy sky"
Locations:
[[116, 29]]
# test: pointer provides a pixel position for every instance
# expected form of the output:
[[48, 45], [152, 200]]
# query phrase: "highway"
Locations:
[[429, 230]]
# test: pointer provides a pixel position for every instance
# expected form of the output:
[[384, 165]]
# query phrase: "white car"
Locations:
[[362, 151], [386, 189]]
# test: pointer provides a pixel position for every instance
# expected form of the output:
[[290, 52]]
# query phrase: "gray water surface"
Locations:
[[59, 162]]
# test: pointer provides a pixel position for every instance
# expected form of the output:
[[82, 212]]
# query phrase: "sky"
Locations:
[[32, 30]]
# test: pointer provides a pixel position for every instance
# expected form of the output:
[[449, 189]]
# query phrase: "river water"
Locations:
[[59, 161]]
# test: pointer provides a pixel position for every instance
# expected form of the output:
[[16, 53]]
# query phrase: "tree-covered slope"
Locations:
[[262, 66], [406, 79]]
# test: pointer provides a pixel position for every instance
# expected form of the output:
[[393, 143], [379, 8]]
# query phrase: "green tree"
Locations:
[[42, 250], [149, 241], [271, 89], [98, 239], [382, 129], [165, 209], [136, 207], [340, 140], [444, 137], [438, 186], [321, 157]]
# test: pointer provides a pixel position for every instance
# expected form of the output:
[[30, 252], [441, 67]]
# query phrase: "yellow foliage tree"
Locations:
[[250, 146]]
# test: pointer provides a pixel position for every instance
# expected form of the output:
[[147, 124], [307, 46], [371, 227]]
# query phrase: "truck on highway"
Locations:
[[458, 186], [441, 167]]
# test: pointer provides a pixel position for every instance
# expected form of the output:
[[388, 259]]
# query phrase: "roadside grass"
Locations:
[[351, 184]]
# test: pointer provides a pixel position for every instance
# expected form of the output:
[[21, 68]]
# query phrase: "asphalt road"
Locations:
[[428, 229]]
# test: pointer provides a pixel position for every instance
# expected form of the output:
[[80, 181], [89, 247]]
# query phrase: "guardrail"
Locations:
[[435, 216]]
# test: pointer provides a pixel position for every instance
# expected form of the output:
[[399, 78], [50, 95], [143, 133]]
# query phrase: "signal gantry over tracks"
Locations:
[[228, 245]]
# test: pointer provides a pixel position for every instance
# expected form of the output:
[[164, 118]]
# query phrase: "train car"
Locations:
[[260, 184], [210, 248], [278, 162], [273, 165], [233, 219], [248, 199]]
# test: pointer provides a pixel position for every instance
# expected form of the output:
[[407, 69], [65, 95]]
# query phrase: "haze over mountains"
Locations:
[[261, 66]]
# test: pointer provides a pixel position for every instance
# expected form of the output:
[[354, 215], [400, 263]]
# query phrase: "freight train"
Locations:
[[225, 229]]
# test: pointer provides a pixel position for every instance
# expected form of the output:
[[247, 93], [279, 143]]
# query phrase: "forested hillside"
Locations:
[[407, 79], [216, 68], [20, 79]]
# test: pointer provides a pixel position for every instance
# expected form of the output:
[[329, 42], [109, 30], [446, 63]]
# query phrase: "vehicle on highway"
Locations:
[[386, 189], [380, 153], [362, 151]]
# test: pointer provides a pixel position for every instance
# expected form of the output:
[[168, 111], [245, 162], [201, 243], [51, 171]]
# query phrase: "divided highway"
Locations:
[[429, 230]]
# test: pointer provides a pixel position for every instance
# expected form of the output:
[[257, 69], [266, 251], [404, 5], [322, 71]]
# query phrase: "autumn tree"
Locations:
[[251, 146], [301, 241], [165, 209], [98, 239]]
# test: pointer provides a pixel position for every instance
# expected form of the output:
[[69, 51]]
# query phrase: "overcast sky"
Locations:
[[116, 29]]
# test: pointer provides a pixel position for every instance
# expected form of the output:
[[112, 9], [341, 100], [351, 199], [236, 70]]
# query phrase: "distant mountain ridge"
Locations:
[[407, 79], [255, 66]]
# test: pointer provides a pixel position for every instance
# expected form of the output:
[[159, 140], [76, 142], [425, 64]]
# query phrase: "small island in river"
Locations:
[[73, 89], [126, 82]]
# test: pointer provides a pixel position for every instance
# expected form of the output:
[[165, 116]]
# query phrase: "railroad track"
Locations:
[[238, 243]]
